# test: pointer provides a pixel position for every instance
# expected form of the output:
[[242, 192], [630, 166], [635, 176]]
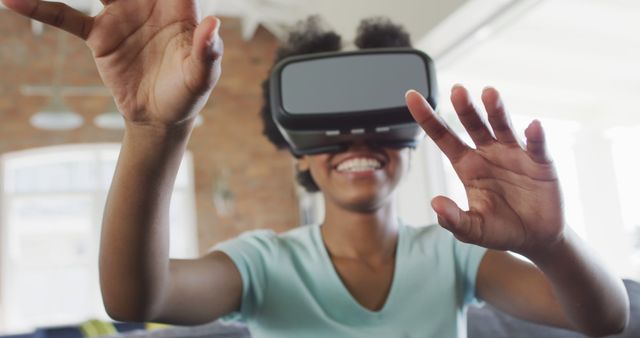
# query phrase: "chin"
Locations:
[[365, 203]]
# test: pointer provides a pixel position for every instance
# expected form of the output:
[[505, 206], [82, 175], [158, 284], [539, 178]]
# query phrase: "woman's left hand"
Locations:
[[512, 189]]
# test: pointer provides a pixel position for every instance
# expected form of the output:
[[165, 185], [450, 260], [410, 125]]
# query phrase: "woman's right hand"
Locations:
[[158, 62]]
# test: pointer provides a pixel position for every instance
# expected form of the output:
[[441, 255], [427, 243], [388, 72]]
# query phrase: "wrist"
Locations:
[[550, 251], [159, 132]]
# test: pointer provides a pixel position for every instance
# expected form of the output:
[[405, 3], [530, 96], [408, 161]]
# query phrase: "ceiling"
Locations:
[[276, 15], [564, 59], [573, 60]]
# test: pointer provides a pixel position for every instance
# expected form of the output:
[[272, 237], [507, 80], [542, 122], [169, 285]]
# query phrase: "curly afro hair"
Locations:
[[380, 32], [311, 36], [308, 37]]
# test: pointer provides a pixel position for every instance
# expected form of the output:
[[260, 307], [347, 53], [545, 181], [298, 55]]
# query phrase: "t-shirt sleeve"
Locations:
[[252, 253], [467, 260]]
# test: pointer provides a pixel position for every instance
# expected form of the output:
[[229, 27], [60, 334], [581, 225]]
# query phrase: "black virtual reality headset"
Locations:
[[323, 102]]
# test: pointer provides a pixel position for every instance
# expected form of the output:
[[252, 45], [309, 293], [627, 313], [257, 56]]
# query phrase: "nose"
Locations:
[[360, 145], [364, 145]]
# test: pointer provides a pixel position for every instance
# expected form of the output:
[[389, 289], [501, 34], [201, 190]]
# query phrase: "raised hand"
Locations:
[[512, 189], [159, 62]]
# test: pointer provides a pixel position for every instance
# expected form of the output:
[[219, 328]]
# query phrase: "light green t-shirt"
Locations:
[[291, 289]]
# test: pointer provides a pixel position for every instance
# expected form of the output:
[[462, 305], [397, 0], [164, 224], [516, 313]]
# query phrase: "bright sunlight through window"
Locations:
[[52, 202]]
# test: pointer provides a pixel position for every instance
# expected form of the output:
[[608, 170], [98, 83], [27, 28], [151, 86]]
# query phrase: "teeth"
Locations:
[[359, 164]]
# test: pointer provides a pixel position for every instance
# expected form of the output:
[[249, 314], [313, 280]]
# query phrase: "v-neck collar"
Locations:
[[343, 305]]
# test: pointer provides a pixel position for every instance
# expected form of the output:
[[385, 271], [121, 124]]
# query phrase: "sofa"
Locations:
[[483, 322], [488, 322]]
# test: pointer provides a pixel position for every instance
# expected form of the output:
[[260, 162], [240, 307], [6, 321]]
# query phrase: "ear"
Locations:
[[303, 163]]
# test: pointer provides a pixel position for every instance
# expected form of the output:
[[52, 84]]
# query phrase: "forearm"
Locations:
[[134, 248], [594, 300]]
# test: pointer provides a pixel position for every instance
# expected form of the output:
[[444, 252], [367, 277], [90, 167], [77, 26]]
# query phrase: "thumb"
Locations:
[[206, 54], [207, 44], [465, 226]]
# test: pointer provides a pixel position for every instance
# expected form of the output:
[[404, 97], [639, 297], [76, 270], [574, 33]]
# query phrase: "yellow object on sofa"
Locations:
[[155, 326], [96, 328]]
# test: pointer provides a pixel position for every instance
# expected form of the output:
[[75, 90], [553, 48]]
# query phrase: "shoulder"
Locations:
[[267, 241], [429, 236], [301, 233], [436, 240], [300, 241], [260, 238], [429, 230]]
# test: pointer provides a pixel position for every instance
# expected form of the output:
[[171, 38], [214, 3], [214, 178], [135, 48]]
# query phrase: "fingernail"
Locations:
[[538, 122], [216, 31], [420, 97], [409, 92], [456, 86]]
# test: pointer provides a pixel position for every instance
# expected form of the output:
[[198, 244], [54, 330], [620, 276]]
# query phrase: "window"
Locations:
[[52, 203], [571, 64], [560, 135], [624, 143]]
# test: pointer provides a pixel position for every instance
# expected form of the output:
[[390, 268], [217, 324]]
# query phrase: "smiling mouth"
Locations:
[[359, 164]]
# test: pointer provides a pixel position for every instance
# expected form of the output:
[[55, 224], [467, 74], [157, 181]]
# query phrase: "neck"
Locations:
[[361, 235]]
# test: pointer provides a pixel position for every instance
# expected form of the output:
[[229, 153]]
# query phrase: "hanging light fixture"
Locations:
[[56, 115], [199, 120], [223, 199], [111, 119]]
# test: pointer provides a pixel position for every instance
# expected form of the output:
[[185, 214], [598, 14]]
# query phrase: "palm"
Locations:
[[146, 52], [513, 193], [139, 48], [514, 200]]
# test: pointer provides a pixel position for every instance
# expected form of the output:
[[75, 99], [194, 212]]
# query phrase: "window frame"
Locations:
[[99, 158]]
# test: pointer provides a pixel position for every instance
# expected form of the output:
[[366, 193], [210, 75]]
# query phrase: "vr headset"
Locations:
[[323, 102]]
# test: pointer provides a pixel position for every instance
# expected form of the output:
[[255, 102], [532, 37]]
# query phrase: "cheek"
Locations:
[[319, 169], [402, 163]]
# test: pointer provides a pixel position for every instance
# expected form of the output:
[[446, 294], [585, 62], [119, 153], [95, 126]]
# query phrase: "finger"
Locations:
[[205, 40], [463, 225], [206, 54], [498, 118], [536, 143], [444, 138], [469, 116], [55, 14]]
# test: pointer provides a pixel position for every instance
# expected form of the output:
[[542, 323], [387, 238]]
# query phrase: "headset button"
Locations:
[[332, 132]]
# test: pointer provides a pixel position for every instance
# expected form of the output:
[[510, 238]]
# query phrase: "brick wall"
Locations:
[[230, 138]]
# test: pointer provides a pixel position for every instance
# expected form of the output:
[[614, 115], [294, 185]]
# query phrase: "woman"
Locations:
[[361, 273]]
